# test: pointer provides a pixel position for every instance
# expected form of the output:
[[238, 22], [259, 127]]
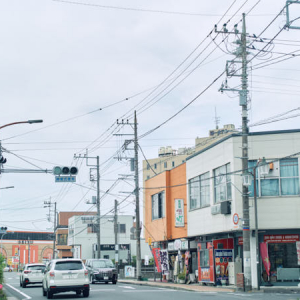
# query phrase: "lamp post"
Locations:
[[22, 122], [264, 170]]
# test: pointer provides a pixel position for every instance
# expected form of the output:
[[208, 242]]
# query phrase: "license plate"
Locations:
[[105, 277], [70, 276]]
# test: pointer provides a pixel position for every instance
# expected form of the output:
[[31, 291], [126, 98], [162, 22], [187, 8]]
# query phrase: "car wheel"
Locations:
[[86, 293], [114, 282], [44, 292], [49, 294], [78, 292], [23, 284], [20, 282], [92, 281]]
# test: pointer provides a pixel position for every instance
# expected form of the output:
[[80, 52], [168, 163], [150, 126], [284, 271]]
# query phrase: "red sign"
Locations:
[[281, 238], [240, 240], [235, 219], [265, 257], [207, 273], [156, 256]]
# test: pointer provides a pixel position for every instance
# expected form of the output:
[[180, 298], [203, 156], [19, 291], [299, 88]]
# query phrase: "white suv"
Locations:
[[66, 275], [31, 274]]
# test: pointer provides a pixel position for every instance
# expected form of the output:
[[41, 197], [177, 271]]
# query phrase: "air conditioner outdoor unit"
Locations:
[[226, 208]]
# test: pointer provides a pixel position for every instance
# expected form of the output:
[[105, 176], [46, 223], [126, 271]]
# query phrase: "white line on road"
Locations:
[[152, 291], [127, 287], [102, 290], [26, 296]]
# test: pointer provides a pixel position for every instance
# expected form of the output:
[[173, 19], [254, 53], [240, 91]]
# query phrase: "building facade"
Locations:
[[82, 237]]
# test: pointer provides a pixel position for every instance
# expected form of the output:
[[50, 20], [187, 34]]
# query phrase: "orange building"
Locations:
[[165, 216]]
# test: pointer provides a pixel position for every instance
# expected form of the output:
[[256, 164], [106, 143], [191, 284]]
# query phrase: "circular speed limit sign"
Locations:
[[235, 219]]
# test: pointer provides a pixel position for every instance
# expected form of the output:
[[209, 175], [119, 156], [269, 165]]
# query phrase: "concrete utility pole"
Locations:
[[137, 202], [116, 235], [98, 209], [241, 52], [245, 131], [54, 230]]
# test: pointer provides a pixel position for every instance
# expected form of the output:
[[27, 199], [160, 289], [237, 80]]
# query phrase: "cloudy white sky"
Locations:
[[61, 61]]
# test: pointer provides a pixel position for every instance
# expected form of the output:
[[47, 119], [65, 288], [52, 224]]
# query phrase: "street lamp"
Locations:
[[263, 170], [22, 122]]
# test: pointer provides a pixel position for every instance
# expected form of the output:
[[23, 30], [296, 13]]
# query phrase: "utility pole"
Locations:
[[98, 229], [241, 52], [116, 235], [137, 202], [98, 209], [28, 250], [54, 231], [49, 204]]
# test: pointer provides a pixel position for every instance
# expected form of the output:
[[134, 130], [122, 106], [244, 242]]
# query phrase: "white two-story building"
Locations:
[[82, 237], [215, 203]]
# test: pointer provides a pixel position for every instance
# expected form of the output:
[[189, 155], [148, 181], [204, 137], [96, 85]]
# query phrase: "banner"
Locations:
[[298, 251], [265, 257], [156, 256], [164, 261]]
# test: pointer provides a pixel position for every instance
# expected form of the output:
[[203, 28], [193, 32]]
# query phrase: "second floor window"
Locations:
[[165, 164], [158, 206], [91, 228], [282, 180], [121, 228], [62, 239], [199, 191], [222, 183]]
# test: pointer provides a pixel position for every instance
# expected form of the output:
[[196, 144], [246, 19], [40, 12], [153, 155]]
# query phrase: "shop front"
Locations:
[[213, 260], [283, 252]]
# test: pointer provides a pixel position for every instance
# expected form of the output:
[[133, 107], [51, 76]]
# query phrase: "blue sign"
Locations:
[[65, 179]]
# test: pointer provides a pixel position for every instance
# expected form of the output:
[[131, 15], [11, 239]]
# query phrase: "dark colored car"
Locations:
[[101, 270]]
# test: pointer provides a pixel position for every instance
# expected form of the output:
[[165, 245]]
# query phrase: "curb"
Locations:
[[179, 287]]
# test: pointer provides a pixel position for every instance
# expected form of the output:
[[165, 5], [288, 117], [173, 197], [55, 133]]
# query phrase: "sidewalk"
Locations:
[[177, 286], [217, 289]]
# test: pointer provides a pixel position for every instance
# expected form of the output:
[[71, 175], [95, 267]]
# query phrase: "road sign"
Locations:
[[235, 219], [65, 179]]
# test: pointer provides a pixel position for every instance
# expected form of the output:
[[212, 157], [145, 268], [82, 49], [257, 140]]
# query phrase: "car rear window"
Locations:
[[68, 265], [103, 264], [36, 268]]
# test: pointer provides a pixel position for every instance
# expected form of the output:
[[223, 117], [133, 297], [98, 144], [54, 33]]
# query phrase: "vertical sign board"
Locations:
[[222, 258], [156, 256], [298, 251], [206, 273], [164, 261], [179, 213]]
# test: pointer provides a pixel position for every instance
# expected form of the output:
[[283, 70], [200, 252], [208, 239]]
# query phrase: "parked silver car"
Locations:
[[32, 274], [65, 275]]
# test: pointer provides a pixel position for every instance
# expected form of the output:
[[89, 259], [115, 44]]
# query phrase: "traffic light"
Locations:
[[2, 160], [65, 170], [3, 228]]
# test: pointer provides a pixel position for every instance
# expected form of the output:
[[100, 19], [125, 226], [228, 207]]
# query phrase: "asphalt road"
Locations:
[[133, 292]]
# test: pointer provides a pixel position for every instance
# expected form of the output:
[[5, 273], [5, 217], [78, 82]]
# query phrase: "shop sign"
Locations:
[[156, 256], [129, 271], [164, 261], [171, 246], [281, 238], [222, 258], [298, 251], [177, 244], [240, 241], [184, 245], [179, 213], [205, 274]]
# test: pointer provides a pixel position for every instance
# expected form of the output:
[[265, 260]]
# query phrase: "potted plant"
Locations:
[[181, 277]]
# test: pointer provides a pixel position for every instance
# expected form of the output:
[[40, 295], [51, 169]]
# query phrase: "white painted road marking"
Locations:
[[26, 296], [128, 287]]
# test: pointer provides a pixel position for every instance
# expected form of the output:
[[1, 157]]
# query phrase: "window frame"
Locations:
[[222, 181], [160, 206], [197, 181]]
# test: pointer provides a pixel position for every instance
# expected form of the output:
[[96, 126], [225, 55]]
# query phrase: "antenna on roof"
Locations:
[[217, 119]]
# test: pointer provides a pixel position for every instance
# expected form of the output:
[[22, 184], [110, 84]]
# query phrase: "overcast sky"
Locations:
[[61, 61]]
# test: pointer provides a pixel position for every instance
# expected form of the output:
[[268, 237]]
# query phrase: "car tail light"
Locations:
[[86, 272], [52, 274], [27, 272]]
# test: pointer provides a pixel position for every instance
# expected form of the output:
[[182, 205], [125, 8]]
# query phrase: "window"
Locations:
[[173, 164], [68, 265], [199, 191], [204, 258], [222, 183], [148, 167], [282, 180], [165, 164], [158, 203], [62, 239], [121, 228], [91, 228], [155, 166]]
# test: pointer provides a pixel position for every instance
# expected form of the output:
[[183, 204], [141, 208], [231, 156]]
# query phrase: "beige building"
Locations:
[[169, 158]]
